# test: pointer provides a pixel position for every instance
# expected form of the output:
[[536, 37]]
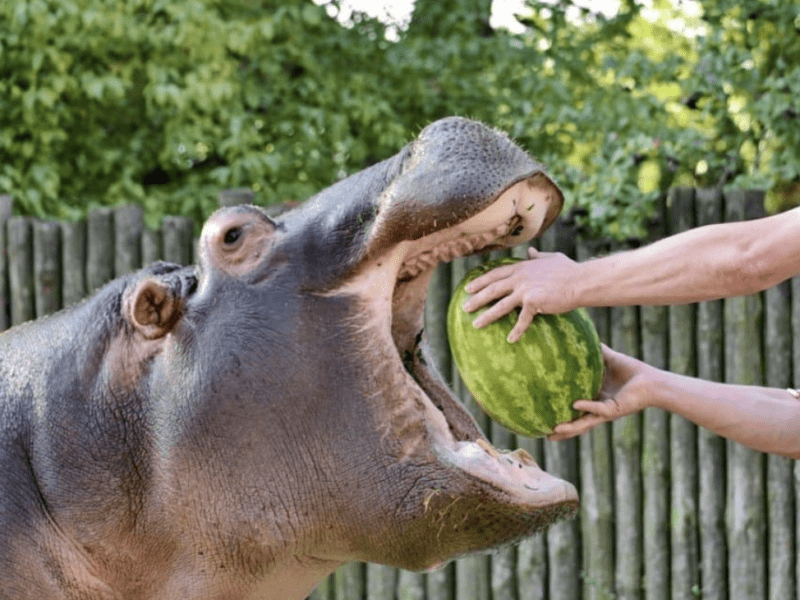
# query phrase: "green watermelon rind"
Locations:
[[530, 404]]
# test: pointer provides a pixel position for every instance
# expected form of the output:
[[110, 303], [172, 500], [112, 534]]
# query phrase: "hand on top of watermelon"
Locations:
[[541, 285]]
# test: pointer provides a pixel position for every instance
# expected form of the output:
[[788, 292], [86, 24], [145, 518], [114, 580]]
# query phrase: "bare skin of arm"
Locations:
[[705, 263], [764, 419]]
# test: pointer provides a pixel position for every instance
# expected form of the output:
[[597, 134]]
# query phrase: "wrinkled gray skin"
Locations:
[[240, 429]]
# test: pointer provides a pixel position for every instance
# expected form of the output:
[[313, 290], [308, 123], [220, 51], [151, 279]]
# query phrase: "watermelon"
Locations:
[[528, 386]]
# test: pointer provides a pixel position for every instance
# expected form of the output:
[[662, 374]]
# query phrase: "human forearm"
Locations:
[[765, 419], [705, 263]]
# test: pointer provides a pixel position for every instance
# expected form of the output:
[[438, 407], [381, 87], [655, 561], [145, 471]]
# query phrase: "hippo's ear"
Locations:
[[154, 308]]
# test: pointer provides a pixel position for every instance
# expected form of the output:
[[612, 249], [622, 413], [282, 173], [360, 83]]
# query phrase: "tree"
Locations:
[[165, 102]]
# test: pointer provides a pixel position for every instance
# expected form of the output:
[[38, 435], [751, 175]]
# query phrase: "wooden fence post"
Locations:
[[654, 322], [177, 232], [627, 435], [746, 493], [597, 481], [561, 460], [73, 262], [20, 269], [503, 580], [531, 565], [711, 449], [128, 228], [6, 205], [152, 246], [795, 324], [683, 434], [99, 248], [439, 584], [348, 581], [46, 267], [473, 573], [781, 504], [381, 582]]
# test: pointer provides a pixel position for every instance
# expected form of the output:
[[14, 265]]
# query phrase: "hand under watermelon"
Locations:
[[531, 385]]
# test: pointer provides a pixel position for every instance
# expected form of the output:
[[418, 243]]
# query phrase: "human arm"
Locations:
[[705, 263], [765, 419]]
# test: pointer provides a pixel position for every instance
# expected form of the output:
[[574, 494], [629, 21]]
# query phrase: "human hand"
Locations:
[[542, 284], [627, 389]]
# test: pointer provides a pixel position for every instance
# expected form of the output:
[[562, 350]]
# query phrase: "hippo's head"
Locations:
[[299, 414]]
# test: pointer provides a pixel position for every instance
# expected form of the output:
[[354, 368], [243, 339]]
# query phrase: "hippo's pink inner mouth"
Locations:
[[517, 215]]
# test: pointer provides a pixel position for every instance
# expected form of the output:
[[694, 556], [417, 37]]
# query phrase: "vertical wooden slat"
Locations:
[[654, 322], [561, 460], [439, 583], [128, 227], [152, 246], [597, 481], [746, 493], [73, 262], [47, 267], [794, 285], [532, 553], [177, 232], [410, 586], [439, 291], [503, 582], [348, 581], [473, 575], [683, 434], [780, 477], [627, 435], [381, 582], [99, 248], [504, 561], [20, 269], [6, 206], [711, 448]]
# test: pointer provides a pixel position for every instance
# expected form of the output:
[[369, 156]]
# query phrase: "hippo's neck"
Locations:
[[71, 380]]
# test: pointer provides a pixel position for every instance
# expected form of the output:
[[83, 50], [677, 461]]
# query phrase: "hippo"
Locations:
[[240, 428]]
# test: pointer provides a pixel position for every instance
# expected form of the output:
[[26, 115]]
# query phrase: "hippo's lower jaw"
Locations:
[[505, 496]]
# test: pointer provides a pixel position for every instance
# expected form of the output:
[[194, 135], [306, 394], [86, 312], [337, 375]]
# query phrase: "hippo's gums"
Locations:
[[240, 429]]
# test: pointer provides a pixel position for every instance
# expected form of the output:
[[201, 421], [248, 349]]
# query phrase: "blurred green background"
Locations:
[[165, 102]]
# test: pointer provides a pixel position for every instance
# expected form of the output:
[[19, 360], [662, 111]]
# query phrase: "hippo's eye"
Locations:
[[232, 235]]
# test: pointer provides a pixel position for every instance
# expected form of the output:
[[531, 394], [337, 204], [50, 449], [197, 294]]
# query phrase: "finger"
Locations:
[[565, 431], [586, 405], [488, 278], [606, 409], [500, 309], [493, 291], [524, 321], [533, 252]]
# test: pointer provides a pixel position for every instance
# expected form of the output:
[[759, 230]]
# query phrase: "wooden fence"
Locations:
[[668, 511]]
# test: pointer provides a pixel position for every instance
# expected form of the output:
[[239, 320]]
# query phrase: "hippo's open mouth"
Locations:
[[518, 214]]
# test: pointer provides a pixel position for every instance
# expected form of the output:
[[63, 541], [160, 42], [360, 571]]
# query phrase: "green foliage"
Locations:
[[164, 102]]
